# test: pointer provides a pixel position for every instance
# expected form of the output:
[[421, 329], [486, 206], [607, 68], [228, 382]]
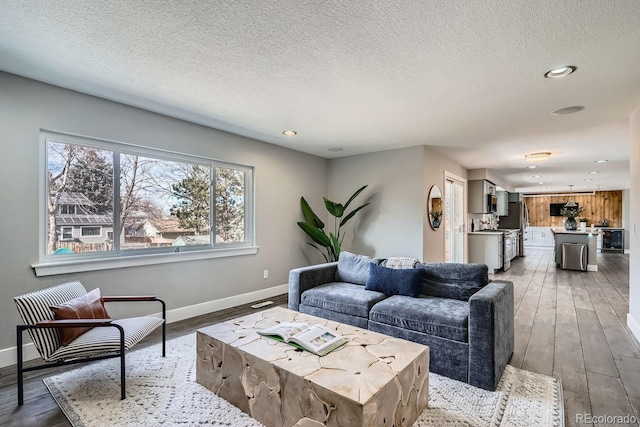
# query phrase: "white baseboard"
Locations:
[[634, 325], [8, 355], [188, 312]]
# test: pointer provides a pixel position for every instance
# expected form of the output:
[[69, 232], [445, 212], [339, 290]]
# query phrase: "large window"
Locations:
[[158, 202]]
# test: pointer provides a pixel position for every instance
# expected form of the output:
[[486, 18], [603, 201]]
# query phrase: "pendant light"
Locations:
[[570, 203]]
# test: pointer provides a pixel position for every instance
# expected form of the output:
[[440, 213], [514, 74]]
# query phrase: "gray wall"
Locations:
[[626, 194], [634, 224], [435, 166], [392, 224], [396, 222], [282, 176]]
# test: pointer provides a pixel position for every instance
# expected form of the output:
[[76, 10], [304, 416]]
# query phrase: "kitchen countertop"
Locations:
[[561, 230], [501, 230]]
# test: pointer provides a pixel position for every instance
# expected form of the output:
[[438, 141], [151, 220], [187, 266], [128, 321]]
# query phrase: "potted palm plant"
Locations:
[[328, 245]]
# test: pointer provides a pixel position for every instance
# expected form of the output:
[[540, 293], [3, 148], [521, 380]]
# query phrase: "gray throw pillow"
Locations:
[[354, 268], [457, 281]]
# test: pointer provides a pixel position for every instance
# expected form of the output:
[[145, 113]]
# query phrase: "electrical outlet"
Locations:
[[266, 274]]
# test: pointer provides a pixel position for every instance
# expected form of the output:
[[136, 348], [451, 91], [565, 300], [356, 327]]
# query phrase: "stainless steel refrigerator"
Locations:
[[518, 218]]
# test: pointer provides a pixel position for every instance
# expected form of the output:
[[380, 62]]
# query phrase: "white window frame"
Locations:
[[50, 264], [62, 238]]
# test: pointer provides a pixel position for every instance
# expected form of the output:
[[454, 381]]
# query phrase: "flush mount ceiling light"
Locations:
[[533, 167], [594, 173], [559, 72], [289, 133], [601, 161], [541, 183], [537, 176], [535, 157], [568, 110]]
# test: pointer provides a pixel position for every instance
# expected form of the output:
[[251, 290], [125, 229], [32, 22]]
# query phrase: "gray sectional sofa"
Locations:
[[466, 320]]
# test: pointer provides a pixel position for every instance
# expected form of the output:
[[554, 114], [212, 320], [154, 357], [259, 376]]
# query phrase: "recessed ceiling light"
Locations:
[[335, 149], [537, 176], [541, 183], [289, 133], [559, 72], [588, 180], [568, 110], [594, 172], [533, 167], [534, 157], [601, 161]]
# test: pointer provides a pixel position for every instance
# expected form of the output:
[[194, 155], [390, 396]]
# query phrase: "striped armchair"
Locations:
[[106, 339]]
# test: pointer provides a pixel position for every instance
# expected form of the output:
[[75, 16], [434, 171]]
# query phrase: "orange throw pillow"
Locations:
[[88, 306]]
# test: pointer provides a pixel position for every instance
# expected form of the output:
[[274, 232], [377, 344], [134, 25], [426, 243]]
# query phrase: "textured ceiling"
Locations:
[[466, 77]]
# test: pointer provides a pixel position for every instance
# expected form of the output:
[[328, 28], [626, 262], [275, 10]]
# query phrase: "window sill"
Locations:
[[76, 266]]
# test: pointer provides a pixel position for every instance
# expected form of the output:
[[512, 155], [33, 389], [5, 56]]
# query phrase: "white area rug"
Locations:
[[163, 392]]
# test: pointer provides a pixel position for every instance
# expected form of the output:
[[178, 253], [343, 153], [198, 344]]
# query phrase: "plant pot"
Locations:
[[570, 224]]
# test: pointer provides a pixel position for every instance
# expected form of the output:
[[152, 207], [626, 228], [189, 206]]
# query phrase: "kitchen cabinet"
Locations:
[[515, 197], [503, 203], [487, 248], [538, 236], [482, 196]]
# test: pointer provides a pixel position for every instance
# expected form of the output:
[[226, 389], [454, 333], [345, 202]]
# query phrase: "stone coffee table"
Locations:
[[373, 380]]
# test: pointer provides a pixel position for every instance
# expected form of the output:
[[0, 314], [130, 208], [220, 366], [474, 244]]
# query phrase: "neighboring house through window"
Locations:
[[91, 231], [161, 201]]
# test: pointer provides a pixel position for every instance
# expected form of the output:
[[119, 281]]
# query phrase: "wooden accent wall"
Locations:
[[603, 205]]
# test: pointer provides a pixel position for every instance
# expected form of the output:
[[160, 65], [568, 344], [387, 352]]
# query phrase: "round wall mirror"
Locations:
[[434, 207]]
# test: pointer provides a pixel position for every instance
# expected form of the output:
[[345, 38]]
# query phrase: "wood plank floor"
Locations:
[[572, 325], [568, 324]]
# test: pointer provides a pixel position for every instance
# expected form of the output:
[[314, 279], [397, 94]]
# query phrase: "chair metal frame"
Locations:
[[90, 323]]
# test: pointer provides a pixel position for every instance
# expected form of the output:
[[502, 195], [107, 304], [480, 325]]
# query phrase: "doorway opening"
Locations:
[[454, 218]]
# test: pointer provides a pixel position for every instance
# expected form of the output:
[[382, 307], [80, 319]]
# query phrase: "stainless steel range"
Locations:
[[511, 238]]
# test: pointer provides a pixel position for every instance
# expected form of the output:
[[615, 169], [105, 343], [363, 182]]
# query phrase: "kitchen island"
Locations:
[[588, 238]]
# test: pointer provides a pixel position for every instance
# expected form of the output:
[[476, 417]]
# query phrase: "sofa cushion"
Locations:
[[342, 297], [458, 281], [392, 281], [354, 268], [442, 317]]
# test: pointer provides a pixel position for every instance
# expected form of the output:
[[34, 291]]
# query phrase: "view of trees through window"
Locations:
[[160, 202]]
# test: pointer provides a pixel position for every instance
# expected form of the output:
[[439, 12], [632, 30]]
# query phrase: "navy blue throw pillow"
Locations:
[[393, 281]]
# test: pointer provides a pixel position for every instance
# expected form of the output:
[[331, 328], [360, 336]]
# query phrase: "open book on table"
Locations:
[[317, 339]]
